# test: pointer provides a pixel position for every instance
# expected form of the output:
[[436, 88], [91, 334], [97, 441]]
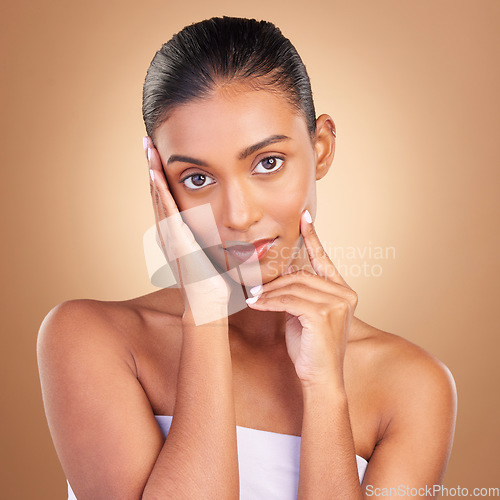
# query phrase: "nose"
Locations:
[[239, 207]]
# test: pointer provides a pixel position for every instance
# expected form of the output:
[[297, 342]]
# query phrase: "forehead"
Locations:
[[229, 120]]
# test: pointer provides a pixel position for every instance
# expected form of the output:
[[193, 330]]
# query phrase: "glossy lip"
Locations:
[[250, 251]]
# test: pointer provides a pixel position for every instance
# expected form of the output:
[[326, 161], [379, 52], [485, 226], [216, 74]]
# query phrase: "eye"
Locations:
[[196, 181], [270, 164]]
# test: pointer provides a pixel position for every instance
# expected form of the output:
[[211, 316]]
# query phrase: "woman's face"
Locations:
[[249, 155]]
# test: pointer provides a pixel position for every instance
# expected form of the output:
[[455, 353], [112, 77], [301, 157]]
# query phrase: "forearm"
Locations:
[[327, 455], [199, 458]]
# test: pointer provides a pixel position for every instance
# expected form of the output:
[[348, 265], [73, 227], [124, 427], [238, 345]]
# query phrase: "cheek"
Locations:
[[299, 193], [177, 192], [197, 213], [289, 209]]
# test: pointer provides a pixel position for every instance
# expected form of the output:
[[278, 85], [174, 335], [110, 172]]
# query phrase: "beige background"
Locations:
[[413, 89]]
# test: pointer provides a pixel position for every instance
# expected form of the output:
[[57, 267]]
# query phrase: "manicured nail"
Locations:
[[145, 143], [149, 154], [252, 300], [307, 216], [256, 289], [152, 174]]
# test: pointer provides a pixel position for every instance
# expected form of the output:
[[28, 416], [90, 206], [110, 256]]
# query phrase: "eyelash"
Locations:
[[278, 158]]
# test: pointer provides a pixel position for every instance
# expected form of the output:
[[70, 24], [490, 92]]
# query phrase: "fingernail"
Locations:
[[149, 154], [152, 174], [256, 289], [145, 143], [252, 300], [307, 216]]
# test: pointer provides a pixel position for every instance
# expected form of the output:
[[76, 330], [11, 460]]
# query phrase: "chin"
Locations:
[[256, 274]]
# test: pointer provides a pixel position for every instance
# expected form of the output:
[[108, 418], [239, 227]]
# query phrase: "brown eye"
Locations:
[[196, 181], [270, 164]]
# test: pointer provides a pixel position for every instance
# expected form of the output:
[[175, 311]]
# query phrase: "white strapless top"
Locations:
[[268, 463]]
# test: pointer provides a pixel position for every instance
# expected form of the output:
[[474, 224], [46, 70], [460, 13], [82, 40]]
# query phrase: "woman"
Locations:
[[285, 394]]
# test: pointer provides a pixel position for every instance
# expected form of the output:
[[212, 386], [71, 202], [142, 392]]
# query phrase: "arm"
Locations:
[[200, 458], [413, 451], [102, 424], [319, 311], [416, 445], [327, 457], [420, 391]]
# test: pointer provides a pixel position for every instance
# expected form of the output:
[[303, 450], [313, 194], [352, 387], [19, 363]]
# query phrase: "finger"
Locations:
[[307, 311], [160, 198], [159, 182], [337, 301], [303, 308], [191, 267], [176, 238], [307, 285], [296, 306], [317, 254]]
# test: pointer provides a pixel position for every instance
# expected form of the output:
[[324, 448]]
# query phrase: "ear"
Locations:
[[324, 144]]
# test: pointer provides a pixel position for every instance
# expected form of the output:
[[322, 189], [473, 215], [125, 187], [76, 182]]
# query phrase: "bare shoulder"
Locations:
[[77, 334], [87, 318], [84, 325], [392, 357], [412, 398], [93, 359], [101, 353], [408, 379]]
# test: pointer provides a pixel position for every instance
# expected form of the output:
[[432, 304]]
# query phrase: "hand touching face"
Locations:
[[249, 154], [319, 306]]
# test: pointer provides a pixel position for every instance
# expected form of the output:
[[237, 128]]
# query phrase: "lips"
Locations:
[[250, 252]]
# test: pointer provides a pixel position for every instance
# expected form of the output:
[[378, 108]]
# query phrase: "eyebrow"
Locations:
[[262, 144], [244, 154]]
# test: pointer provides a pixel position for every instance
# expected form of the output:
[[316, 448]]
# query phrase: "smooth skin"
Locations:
[[297, 361]]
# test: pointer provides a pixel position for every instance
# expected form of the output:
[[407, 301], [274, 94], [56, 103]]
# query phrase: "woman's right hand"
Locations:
[[205, 292]]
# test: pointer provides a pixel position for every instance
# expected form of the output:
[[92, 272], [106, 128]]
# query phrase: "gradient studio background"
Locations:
[[413, 89]]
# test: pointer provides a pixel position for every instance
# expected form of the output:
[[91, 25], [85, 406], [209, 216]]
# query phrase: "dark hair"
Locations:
[[217, 51]]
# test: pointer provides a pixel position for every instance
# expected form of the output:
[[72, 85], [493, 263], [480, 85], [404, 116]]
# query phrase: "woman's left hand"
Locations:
[[319, 311]]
